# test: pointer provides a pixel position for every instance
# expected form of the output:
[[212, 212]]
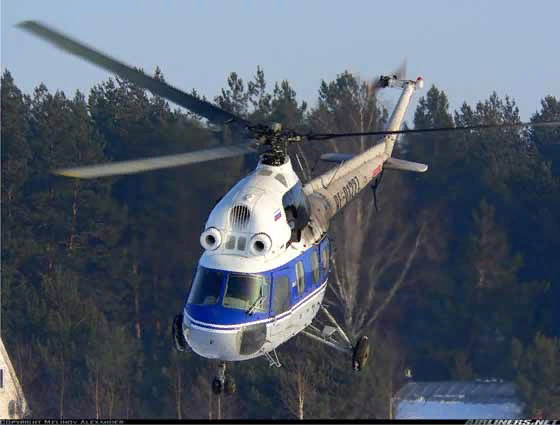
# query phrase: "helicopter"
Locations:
[[262, 277]]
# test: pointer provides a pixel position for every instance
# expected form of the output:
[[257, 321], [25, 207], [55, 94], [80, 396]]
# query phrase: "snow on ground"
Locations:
[[456, 410]]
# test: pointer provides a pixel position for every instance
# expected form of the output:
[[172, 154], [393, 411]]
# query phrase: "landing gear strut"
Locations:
[[374, 187], [336, 338], [222, 383]]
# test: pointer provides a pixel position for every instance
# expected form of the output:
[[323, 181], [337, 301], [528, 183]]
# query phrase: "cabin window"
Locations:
[[247, 292], [326, 257], [315, 266], [1, 378], [206, 287], [282, 294], [300, 277]]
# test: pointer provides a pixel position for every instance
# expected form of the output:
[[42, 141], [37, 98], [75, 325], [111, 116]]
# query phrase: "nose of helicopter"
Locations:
[[213, 343]]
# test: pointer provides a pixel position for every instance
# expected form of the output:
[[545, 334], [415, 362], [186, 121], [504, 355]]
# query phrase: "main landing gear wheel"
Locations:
[[227, 387], [178, 337], [334, 336], [222, 383], [360, 354]]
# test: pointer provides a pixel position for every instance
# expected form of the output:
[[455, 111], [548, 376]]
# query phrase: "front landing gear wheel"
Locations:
[[226, 387], [360, 354], [178, 337], [222, 383], [217, 386]]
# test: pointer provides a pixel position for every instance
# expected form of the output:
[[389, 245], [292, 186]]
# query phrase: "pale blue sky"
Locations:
[[467, 48]]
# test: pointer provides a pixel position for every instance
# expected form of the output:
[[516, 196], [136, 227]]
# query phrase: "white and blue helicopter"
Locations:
[[263, 275]]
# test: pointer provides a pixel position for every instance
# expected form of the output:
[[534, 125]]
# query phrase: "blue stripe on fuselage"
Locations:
[[221, 315], [207, 315], [237, 326]]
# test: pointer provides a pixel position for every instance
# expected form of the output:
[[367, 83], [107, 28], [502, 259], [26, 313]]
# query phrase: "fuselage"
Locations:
[[259, 282]]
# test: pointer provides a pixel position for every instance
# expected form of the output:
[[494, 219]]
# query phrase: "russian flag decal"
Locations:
[[277, 215]]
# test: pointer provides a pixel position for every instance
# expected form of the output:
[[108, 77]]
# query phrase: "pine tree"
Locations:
[[17, 242], [538, 375]]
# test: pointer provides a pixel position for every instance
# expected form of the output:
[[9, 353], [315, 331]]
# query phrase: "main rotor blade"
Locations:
[[157, 87], [326, 136], [155, 163]]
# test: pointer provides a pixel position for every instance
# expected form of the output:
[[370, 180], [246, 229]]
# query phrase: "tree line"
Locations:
[[455, 277]]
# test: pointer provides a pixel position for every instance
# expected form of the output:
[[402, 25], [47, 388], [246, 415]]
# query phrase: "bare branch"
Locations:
[[401, 277]]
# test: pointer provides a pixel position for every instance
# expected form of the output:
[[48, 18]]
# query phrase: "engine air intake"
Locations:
[[211, 238], [260, 244]]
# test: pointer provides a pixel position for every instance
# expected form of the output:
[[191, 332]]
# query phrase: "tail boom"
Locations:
[[326, 202], [380, 152], [330, 192]]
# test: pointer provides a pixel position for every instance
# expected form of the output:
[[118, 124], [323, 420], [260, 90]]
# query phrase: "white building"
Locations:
[[12, 401], [480, 399]]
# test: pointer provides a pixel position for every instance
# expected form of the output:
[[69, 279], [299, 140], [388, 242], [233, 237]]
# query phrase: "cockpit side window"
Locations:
[[247, 292], [206, 287]]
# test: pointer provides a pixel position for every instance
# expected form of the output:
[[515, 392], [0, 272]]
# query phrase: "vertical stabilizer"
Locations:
[[397, 118]]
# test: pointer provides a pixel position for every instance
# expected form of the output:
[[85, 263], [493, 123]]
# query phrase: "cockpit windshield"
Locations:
[[206, 287], [247, 292]]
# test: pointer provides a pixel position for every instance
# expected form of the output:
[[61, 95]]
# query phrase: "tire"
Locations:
[[217, 386], [178, 337], [360, 354]]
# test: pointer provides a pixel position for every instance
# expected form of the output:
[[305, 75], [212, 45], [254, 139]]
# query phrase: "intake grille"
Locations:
[[239, 217]]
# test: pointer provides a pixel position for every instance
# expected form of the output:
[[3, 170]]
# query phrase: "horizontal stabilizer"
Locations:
[[401, 164], [336, 157]]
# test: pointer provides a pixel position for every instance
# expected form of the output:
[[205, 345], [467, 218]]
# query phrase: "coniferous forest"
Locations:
[[457, 276]]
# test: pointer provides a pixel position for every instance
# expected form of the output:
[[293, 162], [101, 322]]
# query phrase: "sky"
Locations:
[[468, 48]]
